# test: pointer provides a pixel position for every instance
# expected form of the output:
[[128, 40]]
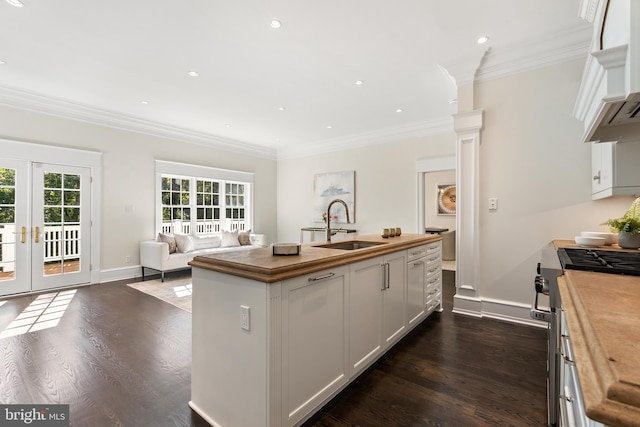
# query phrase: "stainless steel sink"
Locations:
[[350, 245]]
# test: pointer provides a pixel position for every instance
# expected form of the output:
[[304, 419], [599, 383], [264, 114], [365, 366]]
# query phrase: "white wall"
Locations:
[[128, 176], [386, 184], [532, 161]]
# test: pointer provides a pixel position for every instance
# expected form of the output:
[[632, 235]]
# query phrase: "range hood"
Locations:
[[622, 113], [608, 102]]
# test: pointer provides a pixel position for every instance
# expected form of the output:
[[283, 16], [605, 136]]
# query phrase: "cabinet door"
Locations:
[[394, 304], [601, 166], [416, 290], [314, 340], [365, 312]]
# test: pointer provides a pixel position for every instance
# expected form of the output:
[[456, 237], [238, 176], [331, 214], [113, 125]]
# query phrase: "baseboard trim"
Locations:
[[467, 305], [509, 311], [503, 310], [115, 274]]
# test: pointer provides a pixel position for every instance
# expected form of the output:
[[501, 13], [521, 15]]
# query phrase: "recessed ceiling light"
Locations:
[[276, 24], [483, 39], [359, 82], [2, 62], [227, 125], [281, 108], [193, 73], [399, 110], [16, 3], [329, 127], [144, 102]]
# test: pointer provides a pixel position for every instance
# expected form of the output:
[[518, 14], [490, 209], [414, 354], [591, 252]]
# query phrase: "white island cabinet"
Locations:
[[269, 349], [314, 341], [377, 308]]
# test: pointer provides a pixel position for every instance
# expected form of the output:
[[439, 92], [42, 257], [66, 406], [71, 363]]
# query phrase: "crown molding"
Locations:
[[587, 9], [556, 48], [70, 110], [375, 137]]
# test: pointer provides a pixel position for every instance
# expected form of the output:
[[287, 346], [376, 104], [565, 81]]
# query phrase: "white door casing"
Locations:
[[15, 230], [25, 156]]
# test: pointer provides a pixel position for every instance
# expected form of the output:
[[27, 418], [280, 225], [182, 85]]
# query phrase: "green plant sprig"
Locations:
[[629, 222]]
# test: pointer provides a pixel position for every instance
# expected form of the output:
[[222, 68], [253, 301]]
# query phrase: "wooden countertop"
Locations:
[[603, 317], [261, 265]]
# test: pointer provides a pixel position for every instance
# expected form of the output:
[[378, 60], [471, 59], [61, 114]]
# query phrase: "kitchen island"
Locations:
[[603, 320], [276, 337]]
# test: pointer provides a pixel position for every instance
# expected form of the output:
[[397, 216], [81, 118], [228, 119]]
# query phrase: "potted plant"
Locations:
[[628, 227]]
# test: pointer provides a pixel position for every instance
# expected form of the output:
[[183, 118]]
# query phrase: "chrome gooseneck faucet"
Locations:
[[346, 209]]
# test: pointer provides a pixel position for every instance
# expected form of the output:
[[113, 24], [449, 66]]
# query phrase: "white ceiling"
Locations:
[[102, 58]]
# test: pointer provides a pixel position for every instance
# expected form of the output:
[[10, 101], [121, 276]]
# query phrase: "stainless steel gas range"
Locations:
[[547, 306]]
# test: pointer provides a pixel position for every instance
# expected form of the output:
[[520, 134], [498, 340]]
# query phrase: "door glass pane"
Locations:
[[61, 236], [8, 229]]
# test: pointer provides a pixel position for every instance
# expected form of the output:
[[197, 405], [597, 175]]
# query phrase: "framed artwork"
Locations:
[[446, 199], [330, 186]]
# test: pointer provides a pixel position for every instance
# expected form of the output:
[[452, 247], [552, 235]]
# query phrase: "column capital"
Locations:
[[468, 122]]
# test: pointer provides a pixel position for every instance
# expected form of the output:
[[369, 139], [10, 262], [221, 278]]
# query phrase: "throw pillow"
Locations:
[[229, 239], [206, 242], [244, 237], [184, 242], [170, 240]]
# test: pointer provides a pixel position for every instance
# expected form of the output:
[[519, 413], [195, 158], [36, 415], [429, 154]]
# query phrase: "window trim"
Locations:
[[197, 171]]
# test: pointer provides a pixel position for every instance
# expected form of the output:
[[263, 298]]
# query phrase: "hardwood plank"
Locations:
[[120, 357]]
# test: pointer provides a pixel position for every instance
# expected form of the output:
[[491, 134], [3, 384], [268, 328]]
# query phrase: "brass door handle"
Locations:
[[23, 234], [37, 235]]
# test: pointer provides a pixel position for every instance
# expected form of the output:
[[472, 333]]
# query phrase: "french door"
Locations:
[[44, 226]]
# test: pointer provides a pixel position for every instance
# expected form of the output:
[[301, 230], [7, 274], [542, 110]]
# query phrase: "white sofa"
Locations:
[[156, 254]]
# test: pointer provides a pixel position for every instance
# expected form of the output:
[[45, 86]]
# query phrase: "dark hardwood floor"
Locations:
[[119, 357]]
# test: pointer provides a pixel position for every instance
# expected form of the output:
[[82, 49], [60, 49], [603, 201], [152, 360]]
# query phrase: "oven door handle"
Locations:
[[565, 349]]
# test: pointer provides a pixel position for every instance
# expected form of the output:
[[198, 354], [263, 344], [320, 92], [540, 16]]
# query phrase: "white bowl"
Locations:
[[590, 241], [609, 238]]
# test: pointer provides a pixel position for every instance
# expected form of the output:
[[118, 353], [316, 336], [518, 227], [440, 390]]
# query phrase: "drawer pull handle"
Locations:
[[415, 264], [326, 276]]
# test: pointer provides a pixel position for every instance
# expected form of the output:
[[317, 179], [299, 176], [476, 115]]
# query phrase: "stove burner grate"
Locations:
[[616, 262]]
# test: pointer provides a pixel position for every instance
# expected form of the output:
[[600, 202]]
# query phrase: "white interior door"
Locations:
[[14, 227], [61, 223]]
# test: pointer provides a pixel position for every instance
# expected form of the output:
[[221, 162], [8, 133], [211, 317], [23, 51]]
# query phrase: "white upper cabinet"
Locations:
[[615, 169], [608, 102]]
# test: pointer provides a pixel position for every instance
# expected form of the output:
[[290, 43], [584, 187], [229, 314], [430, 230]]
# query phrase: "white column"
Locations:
[[468, 127]]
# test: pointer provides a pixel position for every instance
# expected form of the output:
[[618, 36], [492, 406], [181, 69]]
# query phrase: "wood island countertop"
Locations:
[[603, 316], [261, 265]]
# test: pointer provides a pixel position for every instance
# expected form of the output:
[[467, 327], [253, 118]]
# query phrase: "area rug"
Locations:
[[175, 291]]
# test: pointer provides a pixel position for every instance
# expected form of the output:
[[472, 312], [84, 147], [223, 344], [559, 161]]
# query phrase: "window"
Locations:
[[200, 200]]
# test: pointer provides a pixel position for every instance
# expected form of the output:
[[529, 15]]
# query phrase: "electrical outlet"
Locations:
[[245, 317], [127, 258], [493, 204]]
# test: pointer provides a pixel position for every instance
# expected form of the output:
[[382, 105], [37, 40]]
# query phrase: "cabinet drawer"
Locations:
[[433, 303], [432, 268], [433, 281], [434, 248], [417, 252]]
